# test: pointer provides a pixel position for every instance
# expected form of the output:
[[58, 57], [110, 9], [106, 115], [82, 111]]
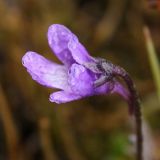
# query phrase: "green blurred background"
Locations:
[[95, 128]]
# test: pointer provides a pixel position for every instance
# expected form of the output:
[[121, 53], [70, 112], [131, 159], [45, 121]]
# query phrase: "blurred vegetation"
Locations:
[[95, 128]]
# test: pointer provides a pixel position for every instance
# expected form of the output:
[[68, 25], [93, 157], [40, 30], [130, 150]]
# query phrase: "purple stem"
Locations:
[[109, 71], [135, 108]]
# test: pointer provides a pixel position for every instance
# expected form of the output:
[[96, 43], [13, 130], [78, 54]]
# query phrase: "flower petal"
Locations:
[[81, 80], [44, 71], [79, 52], [63, 97], [66, 45]]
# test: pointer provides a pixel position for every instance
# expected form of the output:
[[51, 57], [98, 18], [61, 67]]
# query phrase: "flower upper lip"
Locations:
[[66, 46]]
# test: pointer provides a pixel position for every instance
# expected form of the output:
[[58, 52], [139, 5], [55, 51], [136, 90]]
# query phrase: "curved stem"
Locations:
[[109, 71], [135, 107]]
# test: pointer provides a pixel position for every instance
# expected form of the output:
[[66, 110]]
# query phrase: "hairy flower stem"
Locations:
[[134, 106], [111, 71]]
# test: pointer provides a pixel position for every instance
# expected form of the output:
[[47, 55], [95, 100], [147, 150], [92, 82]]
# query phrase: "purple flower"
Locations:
[[76, 78]]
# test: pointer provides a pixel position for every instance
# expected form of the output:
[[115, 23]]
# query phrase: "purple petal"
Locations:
[[79, 52], [66, 45], [81, 80], [44, 71], [63, 97]]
